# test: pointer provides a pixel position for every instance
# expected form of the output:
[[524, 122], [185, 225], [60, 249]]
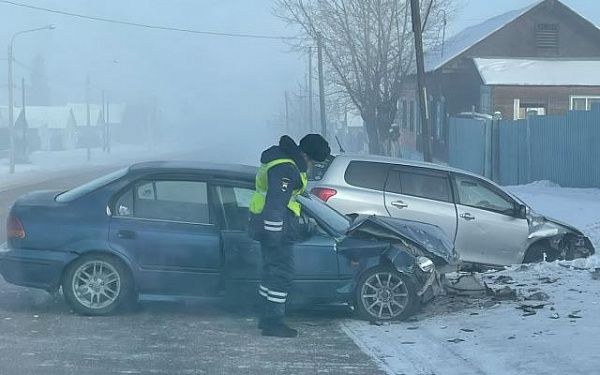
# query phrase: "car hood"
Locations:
[[429, 238]]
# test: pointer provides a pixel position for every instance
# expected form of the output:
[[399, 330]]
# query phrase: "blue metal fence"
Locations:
[[563, 149], [466, 143]]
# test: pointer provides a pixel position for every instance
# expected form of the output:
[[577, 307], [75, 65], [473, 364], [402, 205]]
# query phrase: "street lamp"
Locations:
[[11, 123]]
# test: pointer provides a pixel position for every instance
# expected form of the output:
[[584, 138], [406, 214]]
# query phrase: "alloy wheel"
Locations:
[[384, 295], [96, 284]]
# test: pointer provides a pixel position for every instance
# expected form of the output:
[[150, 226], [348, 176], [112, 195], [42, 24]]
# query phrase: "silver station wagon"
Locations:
[[487, 224]]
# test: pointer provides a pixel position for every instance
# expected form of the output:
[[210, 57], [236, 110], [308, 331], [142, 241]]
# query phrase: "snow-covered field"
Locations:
[[480, 335]]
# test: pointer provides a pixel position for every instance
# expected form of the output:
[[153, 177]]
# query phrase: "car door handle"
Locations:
[[467, 216], [399, 204], [126, 234]]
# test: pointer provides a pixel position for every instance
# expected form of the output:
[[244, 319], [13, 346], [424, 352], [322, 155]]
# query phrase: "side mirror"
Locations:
[[521, 211]]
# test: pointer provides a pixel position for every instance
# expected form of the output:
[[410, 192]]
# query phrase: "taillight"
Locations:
[[14, 228], [324, 193]]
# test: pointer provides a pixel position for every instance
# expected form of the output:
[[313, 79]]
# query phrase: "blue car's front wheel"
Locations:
[[97, 284], [383, 293]]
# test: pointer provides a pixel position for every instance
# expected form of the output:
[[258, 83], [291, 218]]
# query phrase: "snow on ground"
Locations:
[[45, 163], [482, 335]]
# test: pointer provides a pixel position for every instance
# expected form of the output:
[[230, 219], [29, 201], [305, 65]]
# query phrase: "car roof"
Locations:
[[399, 161], [235, 171]]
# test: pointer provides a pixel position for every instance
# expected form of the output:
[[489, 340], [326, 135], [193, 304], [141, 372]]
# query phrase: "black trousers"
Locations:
[[277, 276]]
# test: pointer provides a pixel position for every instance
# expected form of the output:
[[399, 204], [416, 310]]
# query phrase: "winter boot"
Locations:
[[278, 329]]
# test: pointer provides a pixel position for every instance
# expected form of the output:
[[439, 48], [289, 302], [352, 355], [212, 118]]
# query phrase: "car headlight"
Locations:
[[425, 264]]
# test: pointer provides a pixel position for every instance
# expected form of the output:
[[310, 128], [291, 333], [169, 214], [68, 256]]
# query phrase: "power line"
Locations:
[[147, 26]]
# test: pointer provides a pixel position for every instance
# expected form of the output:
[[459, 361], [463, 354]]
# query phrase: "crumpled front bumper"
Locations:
[[432, 287]]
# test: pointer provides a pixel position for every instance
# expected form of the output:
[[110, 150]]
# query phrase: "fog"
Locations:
[[206, 89]]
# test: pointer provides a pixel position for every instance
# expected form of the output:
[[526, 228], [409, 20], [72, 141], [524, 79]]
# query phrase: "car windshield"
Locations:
[[330, 217], [86, 188]]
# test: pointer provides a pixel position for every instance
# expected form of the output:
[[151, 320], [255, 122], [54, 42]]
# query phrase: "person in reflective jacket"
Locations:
[[275, 220]]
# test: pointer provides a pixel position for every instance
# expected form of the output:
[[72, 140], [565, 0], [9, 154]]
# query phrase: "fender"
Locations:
[[88, 246]]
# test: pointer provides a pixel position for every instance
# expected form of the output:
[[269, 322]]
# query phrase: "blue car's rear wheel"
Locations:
[[97, 284], [383, 293]]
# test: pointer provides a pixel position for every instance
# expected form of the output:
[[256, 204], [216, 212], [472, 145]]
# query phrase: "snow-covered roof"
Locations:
[[470, 36], [538, 72], [80, 113], [4, 115], [52, 117]]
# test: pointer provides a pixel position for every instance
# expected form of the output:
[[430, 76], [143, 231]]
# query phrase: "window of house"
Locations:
[[584, 103], [546, 38], [527, 108]]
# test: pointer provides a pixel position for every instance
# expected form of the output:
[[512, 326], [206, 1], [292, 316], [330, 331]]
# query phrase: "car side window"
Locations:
[[366, 174], [476, 193], [234, 204], [419, 184], [171, 200]]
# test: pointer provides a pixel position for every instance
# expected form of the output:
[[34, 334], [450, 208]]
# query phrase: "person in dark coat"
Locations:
[[275, 220]]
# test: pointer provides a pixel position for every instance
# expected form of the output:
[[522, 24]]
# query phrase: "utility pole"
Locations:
[[11, 120], [287, 114], [321, 85], [11, 123], [104, 123], [107, 124], [25, 145], [422, 90], [310, 91], [88, 132]]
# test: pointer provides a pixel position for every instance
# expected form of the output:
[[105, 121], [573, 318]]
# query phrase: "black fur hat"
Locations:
[[315, 146]]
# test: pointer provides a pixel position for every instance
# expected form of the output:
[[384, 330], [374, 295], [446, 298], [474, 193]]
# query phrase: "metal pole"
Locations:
[[287, 118], [444, 31], [321, 85], [11, 124], [310, 91], [422, 90], [107, 125], [103, 124], [88, 137], [25, 127]]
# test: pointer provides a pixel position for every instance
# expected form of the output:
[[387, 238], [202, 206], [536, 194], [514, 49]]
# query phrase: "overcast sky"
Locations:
[[215, 82]]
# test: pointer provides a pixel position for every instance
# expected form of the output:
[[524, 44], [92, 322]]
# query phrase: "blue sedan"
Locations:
[[178, 229]]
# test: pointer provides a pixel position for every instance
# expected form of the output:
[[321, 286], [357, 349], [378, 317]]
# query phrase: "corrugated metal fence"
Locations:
[[563, 149]]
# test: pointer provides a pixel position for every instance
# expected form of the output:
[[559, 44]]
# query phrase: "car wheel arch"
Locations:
[[535, 250]]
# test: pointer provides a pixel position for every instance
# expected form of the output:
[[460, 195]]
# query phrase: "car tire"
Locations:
[[98, 284], [382, 293]]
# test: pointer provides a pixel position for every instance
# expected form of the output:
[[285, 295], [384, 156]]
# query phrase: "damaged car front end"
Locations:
[[551, 239], [398, 265]]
